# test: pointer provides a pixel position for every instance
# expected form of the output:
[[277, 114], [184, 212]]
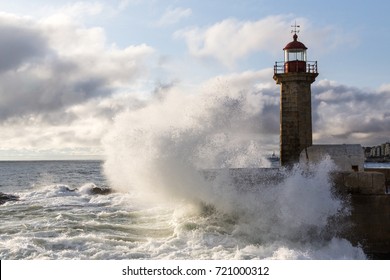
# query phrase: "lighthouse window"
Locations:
[[297, 55]]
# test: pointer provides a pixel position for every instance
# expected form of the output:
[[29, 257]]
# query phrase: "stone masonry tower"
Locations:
[[295, 75]]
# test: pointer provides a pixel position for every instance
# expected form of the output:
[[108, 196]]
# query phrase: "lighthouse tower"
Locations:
[[295, 75]]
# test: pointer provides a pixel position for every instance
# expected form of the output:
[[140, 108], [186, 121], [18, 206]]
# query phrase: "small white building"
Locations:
[[346, 157]]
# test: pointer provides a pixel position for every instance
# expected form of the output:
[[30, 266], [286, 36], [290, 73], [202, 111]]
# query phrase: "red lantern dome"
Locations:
[[295, 45]]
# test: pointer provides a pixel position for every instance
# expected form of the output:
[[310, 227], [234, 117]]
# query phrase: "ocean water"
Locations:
[[377, 165], [58, 216], [187, 182]]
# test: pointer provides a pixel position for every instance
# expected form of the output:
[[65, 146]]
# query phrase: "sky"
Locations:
[[68, 69]]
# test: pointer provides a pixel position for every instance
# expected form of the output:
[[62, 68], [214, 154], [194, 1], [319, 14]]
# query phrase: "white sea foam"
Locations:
[[158, 151]]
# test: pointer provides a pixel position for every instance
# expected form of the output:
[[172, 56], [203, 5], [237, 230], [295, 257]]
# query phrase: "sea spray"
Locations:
[[176, 135], [294, 205], [162, 152]]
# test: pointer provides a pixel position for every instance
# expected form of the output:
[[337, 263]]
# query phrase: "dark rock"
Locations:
[[101, 190], [7, 197], [69, 189]]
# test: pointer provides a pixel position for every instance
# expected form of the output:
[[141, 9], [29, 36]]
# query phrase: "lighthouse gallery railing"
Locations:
[[280, 67]]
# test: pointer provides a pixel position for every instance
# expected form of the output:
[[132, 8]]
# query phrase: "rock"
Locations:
[[101, 190], [7, 197]]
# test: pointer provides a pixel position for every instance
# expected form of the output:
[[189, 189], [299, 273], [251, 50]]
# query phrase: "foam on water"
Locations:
[[52, 224], [158, 151], [164, 207], [58, 222]]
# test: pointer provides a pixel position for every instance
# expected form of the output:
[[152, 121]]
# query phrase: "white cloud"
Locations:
[[73, 132], [78, 11], [231, 39], [50, 69], [60, 64], [82, 8], [174, 15]]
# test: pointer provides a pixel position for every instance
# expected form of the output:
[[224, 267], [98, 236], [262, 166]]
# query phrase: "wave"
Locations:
[[158, 152]]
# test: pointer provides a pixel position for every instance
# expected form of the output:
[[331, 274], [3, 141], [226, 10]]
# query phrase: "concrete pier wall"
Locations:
[[370, 218], [370, 183], [385, 172], [369, 222]]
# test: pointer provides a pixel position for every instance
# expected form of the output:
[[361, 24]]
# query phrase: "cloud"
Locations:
[[231, 39], [72, 132], [344, 114], [62, 87], [341, 113], [174, 15], [61, 83], [82, 8], [19, 44], [60, 64]]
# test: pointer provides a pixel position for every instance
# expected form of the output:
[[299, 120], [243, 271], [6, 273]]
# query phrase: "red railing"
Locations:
[[281, 67]]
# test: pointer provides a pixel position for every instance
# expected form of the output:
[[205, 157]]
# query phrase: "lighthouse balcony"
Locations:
[[295, 66]]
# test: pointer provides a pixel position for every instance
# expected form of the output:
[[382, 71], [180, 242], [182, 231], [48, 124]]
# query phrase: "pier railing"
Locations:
[[282, 67]]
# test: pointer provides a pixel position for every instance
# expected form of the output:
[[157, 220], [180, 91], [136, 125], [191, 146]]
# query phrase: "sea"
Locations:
[[70, 210]]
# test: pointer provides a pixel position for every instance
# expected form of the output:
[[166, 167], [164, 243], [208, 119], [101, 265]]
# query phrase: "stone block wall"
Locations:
[[369, 222], [370, 211], [370, 219], [365, 183], [384, 171], [295, 114]]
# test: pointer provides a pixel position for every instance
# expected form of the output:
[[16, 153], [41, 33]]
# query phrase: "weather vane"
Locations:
[[295, 31]]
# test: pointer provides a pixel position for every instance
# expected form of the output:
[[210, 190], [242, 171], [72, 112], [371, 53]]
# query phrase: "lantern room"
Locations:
[[295, 56]]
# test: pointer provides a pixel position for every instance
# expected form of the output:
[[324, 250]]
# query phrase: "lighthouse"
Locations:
[[295, 75]]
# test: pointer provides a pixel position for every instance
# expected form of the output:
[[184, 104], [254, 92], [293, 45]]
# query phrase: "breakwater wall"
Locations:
[[385, 172], [366, 192], [369, 222], [370, 218]]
